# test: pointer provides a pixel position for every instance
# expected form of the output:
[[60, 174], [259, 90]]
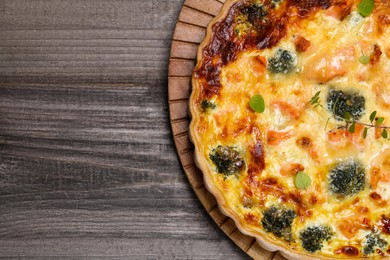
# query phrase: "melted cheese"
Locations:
[[332, 60]]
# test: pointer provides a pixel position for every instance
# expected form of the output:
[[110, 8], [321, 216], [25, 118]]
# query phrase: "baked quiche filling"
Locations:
[[290, 112]]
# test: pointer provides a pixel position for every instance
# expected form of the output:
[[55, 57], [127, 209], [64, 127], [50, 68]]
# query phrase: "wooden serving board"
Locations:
[[190, 31]]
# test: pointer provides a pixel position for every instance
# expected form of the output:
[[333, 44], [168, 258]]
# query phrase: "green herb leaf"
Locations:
[[302, 180], [366, 7], [365, 132], [351, 129], [364, 60], [379, 121], [372, 116], [314, 99], [384, 133], [257, 104], [347, 116]]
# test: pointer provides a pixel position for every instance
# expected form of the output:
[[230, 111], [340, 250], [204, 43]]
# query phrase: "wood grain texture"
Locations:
[[88, 167], [190, 31]]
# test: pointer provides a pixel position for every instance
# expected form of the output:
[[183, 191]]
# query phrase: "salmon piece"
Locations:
[[341, 137], [326, 66], [357, 136], [376, 54], [301, 44], [291, 169], [277, 137], [314, 154], [340, 9], [378, 133], [349, 227], [289, 109], [258, 64], [338, 137]]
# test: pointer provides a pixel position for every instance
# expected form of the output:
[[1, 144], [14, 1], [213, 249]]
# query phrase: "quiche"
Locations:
[[290, 113]]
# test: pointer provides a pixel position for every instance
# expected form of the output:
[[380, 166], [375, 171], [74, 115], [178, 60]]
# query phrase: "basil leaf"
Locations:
[[257, 104], [302, 180], [366, 7]]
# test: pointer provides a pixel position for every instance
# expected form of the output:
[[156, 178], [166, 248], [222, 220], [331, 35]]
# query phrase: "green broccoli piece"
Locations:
[[340, 102], [227, 160], [373, 241], [207, 105], [256, 14], [347, 178], [282, 62], [313, 237], [278, 222]]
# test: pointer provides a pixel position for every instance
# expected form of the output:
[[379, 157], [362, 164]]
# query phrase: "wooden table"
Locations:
[[87, 162]]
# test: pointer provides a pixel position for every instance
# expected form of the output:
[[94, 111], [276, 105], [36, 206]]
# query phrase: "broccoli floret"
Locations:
[[227, 160], [347, 178], [282, 62], [278, 222], [373, 241], [340, 102], [313, 237], [256, 14], [207, 105]]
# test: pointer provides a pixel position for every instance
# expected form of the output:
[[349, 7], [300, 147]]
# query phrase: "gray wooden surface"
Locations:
[[87, 163]]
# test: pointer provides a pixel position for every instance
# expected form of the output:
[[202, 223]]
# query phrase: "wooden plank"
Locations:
[[207, 199], [180, 127], [218, 216], [208, 6], [180, 68], [243, 241], [179, 110], [189, 33], [195, 177], [121, 248], [183, 144], [257, 252], [195, 17], [278, 256], [184, 50], [229, 227], [179, 88], [187, 160]]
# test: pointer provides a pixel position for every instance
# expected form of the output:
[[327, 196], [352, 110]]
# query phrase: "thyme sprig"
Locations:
[[350, 123]]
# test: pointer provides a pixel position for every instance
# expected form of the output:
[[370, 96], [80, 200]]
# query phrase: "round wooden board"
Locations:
[[190, 31]]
